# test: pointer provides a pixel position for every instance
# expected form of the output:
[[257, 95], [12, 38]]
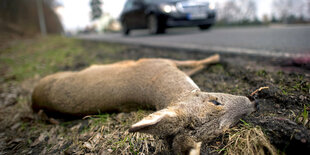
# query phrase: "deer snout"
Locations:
[[236, 109], [256, 105]]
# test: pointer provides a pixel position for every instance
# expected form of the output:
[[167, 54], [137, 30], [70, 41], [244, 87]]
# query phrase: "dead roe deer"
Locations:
[[184, 113]]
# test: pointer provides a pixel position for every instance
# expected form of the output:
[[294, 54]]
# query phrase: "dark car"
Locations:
[[157, 15]]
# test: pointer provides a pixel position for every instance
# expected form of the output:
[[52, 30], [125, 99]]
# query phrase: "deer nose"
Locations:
[[256, 105]]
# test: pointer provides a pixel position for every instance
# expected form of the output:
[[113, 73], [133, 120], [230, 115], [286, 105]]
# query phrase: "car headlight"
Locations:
[[168, 8], [212, 6]]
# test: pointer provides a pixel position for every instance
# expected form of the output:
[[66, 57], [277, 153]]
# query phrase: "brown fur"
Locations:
[[185, 113]]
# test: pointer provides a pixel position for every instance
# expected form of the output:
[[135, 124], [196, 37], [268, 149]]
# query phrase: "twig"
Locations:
[[258, 90]]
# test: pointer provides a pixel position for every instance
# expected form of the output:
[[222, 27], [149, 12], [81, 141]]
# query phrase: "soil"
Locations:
[[282, 113]]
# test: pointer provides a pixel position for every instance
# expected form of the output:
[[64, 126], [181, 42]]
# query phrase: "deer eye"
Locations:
[[215, 102]]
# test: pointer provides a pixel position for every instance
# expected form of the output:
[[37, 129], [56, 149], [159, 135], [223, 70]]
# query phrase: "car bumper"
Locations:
[[182, 20], [181, 23]]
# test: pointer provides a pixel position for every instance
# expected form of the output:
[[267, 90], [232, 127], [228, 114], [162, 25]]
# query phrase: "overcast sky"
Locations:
[[75, 14]]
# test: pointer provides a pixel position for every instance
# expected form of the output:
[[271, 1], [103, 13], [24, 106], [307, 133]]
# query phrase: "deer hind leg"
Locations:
[[194, 71], [197, 65]]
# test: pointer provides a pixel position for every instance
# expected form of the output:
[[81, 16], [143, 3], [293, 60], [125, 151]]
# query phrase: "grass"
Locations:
[[25, 60], [45, 55], [302, 85], [39, 57], [100, 119], [303, 117], [114, 127], [248, 139], [261, 73], [297, 84]]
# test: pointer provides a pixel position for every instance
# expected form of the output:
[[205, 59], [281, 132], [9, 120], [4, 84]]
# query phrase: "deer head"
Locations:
[[195, 118]]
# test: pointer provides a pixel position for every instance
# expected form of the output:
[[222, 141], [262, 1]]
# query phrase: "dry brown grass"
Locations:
[[115, 138], [248, 140], [108, 134]]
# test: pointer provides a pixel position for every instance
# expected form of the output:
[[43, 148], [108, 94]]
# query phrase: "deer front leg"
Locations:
[[185, 145]]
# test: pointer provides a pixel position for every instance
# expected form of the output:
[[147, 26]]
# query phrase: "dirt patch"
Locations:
[[282, 115]]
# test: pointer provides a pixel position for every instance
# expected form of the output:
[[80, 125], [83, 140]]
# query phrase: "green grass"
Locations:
[[305, 115], [291, 85], [261, 73], [245, 123], [46, 55], [39, 57], [302, 85], [100, 119]]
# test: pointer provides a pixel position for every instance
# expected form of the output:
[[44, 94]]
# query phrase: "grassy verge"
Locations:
[[24, 62], [42, 56]]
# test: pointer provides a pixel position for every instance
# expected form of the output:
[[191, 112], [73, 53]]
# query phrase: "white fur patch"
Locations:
[[196, 150], [188, 79], [155, 118]]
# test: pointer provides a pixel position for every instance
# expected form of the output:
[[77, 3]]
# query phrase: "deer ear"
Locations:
[[152, 120]]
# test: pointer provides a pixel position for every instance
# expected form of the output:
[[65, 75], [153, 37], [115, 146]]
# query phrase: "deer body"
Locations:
[[183, 111], [151, 83]]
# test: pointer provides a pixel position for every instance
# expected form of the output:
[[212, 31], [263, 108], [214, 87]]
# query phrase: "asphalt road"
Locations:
[[278, 41]]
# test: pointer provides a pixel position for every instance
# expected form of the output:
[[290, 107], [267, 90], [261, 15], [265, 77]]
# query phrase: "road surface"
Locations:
[[278, 41]]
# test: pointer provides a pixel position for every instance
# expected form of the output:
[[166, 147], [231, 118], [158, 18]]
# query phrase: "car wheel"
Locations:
[[154, 25], [204, 27], [125, 30]]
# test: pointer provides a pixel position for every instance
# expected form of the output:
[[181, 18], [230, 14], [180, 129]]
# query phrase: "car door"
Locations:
[[139, 16], [134, 14], [127, 14]]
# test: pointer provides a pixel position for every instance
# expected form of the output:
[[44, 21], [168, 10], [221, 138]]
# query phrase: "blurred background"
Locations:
[[21, 17]]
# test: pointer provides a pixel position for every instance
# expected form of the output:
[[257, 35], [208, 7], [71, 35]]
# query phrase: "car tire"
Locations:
[[125, 30], [204, 27], [155, 26]]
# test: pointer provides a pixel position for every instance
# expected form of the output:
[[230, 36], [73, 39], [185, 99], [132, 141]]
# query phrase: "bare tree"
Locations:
[[282, 8], [288, 10], [228, 11], [249, 9], [237, 10], [96, 11]]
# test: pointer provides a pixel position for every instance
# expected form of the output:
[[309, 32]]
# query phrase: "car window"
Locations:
[[128, 5]]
